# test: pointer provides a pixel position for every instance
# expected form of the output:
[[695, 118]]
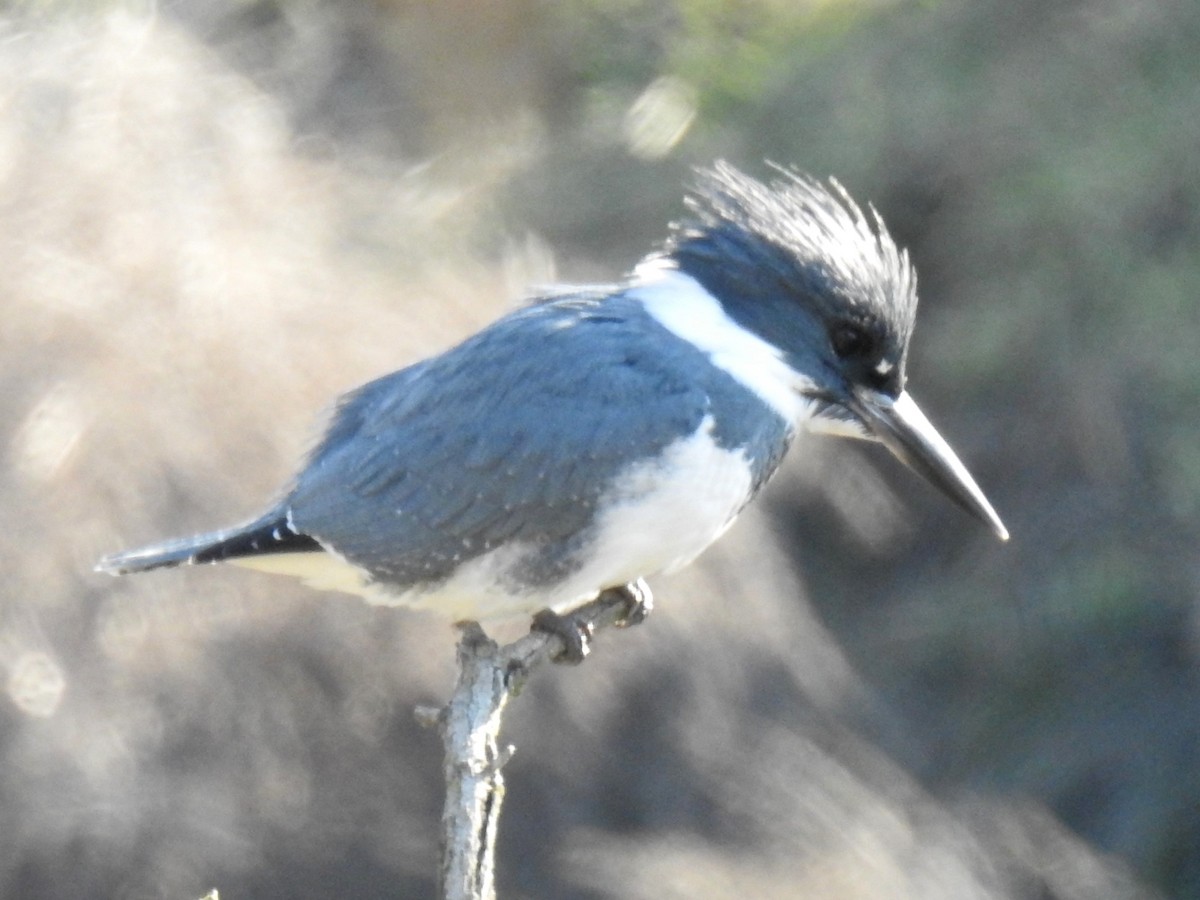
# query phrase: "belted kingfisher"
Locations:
[[602, 435]]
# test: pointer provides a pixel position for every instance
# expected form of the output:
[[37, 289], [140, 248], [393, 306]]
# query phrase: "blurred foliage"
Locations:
[[234, 207]]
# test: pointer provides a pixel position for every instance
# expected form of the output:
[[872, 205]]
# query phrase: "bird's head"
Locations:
[[799, 265]]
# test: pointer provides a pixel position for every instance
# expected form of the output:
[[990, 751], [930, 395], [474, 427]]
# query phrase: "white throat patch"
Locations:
[[686, 309]]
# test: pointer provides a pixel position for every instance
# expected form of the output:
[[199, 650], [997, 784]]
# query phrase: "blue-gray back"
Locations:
[[515, 434]]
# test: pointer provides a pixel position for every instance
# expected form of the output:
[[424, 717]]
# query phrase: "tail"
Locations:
[[270, 534]]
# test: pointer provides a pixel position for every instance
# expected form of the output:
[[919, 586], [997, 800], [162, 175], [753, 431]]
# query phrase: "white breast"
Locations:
[[658, 516]]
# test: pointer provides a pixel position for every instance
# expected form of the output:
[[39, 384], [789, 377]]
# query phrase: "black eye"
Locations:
[[851, 341]]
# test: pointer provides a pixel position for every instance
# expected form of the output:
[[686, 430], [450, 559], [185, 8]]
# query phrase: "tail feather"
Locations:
[[270, 534]]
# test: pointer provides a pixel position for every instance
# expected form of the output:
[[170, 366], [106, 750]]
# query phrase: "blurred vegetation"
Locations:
[[214, 215]]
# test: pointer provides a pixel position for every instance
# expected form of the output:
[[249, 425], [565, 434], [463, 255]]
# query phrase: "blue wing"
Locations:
[[513, 435]]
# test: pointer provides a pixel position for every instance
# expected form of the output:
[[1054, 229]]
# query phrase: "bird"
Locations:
[[598, 436]]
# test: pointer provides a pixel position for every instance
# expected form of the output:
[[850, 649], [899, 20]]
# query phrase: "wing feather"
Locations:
[[512, 436]]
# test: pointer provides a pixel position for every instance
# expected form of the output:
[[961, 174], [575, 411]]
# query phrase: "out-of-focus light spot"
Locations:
[[36, 684], [49, 434], [660, 117]]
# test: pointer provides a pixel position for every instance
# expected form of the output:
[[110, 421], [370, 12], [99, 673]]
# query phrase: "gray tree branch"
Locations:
[[488, 675]]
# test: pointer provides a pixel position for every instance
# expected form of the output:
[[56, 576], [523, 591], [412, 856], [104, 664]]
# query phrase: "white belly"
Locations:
[[658, 516]]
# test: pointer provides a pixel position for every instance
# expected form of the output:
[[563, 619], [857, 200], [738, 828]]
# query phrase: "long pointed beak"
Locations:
[[901, 427]]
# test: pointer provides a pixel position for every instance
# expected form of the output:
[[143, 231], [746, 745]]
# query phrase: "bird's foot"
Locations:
[[576, 631], [576, 635], [639, 602]]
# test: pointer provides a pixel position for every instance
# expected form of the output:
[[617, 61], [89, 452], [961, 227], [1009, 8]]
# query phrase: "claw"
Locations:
[[639, 602], [576, 632], [576, 636]]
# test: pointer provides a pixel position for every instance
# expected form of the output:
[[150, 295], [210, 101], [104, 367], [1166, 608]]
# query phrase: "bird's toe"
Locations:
[[575, 635], [638, 599]]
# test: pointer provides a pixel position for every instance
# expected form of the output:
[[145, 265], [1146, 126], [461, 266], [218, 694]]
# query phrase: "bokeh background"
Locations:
[[216, 214]]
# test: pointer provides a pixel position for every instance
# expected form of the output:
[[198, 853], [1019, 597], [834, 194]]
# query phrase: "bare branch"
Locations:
[[488, 675]]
